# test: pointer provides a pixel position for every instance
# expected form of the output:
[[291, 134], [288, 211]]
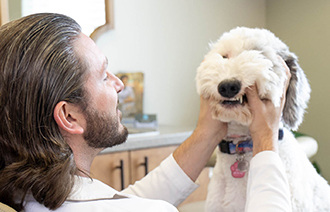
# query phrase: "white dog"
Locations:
[[239, 59]]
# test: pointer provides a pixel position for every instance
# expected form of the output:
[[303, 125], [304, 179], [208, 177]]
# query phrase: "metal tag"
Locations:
[[243, 166]]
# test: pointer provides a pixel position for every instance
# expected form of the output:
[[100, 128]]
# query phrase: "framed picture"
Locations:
[[131, 97]]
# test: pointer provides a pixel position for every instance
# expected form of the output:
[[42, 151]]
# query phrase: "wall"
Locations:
[[304, 26], [15, 7], [167, 39]]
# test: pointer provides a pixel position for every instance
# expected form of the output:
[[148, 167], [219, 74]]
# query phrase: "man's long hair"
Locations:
[[38, 68]]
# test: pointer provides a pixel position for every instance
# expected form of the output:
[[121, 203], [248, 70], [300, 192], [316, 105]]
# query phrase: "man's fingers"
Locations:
[[286, 82], [287, 72], [251, 92], [252, 95]]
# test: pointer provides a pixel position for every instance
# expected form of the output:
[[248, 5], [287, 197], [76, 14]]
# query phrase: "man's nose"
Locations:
[[118, 84]]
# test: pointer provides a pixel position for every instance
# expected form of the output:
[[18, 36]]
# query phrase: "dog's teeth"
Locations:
[[241, 100]]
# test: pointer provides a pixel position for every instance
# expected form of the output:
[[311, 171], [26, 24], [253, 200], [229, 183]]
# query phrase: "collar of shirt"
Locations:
[[84, 190]]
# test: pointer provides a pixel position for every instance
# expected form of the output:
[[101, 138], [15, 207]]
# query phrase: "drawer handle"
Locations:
[[121, 167], [146, 166]]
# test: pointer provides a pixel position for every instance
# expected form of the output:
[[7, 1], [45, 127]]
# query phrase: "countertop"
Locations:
[[165, 136]]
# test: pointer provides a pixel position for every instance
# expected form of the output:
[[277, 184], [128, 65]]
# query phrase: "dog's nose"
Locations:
[[229, 88]]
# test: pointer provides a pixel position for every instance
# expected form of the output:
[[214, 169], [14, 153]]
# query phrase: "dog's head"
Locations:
[[243, 57]]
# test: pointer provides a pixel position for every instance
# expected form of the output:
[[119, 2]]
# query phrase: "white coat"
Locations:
[[167, 186]]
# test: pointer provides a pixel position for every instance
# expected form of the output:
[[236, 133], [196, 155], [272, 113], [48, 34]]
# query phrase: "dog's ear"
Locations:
[[297, 95]]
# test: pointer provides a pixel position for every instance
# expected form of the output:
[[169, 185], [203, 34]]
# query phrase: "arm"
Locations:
[[193, 154], [166, 182], [173, 180], [268, 188]]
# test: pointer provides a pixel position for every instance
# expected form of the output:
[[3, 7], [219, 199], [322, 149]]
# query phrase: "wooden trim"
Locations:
[[109, 20], [109, 12], [4, 13], [109, 17]]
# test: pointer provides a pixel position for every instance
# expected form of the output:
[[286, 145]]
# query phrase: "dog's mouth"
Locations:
[[241, 100]]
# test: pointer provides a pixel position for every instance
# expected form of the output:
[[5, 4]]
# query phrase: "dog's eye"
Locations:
[[224, 56]]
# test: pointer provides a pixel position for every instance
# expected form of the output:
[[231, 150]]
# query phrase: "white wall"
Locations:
[[167, 39], [304, 26], [15, 9]]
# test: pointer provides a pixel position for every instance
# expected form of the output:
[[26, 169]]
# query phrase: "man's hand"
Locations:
[[266, 118], [193, 154], [206, 124]]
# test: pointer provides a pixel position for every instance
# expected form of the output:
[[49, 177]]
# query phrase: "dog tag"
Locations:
[[240, 166], [243, 165], [235, 172]]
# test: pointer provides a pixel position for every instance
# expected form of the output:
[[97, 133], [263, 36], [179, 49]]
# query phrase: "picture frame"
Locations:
[[131, 97]]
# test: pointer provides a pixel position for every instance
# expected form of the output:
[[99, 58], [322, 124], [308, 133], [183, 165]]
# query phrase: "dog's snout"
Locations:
[[229, 88]]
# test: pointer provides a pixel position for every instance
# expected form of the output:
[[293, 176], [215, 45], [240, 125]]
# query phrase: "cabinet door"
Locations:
[[150, 158], [106, 168]]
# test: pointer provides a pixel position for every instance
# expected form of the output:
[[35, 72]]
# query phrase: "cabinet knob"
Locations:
[[121, 167], [146, 166]]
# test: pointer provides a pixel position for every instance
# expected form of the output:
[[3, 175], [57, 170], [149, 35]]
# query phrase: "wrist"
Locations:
[[265, 140], [210, 135]]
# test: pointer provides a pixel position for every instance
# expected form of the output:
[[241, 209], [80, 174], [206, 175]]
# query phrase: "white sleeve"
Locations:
[[268, 188], [166, 182]]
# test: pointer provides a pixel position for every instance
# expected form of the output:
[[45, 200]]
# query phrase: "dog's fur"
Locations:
[[251, 56]]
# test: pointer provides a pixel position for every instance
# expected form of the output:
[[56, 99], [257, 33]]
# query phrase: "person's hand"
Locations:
[[193, 154], [207, 125], [266, 118]]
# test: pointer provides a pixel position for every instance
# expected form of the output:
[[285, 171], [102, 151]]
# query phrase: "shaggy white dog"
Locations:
[[239, 59]]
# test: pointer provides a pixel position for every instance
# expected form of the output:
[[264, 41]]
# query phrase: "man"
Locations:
[[58, 107]]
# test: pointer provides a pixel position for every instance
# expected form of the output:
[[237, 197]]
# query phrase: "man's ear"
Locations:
[[68, 118]]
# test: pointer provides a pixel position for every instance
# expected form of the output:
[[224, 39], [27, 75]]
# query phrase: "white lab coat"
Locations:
[[167, 186], [161, 190]]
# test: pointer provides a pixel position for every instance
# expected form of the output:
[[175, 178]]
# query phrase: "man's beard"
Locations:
[[102, 129]]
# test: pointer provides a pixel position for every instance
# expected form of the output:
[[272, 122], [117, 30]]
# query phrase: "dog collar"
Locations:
[[245, 146]]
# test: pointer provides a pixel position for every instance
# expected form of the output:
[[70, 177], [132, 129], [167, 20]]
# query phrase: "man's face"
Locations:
[[103, 128]]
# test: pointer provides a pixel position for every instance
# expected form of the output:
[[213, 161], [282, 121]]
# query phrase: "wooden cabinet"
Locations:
[[127, 167], [131, 166], [154, 157], [106, 168]]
